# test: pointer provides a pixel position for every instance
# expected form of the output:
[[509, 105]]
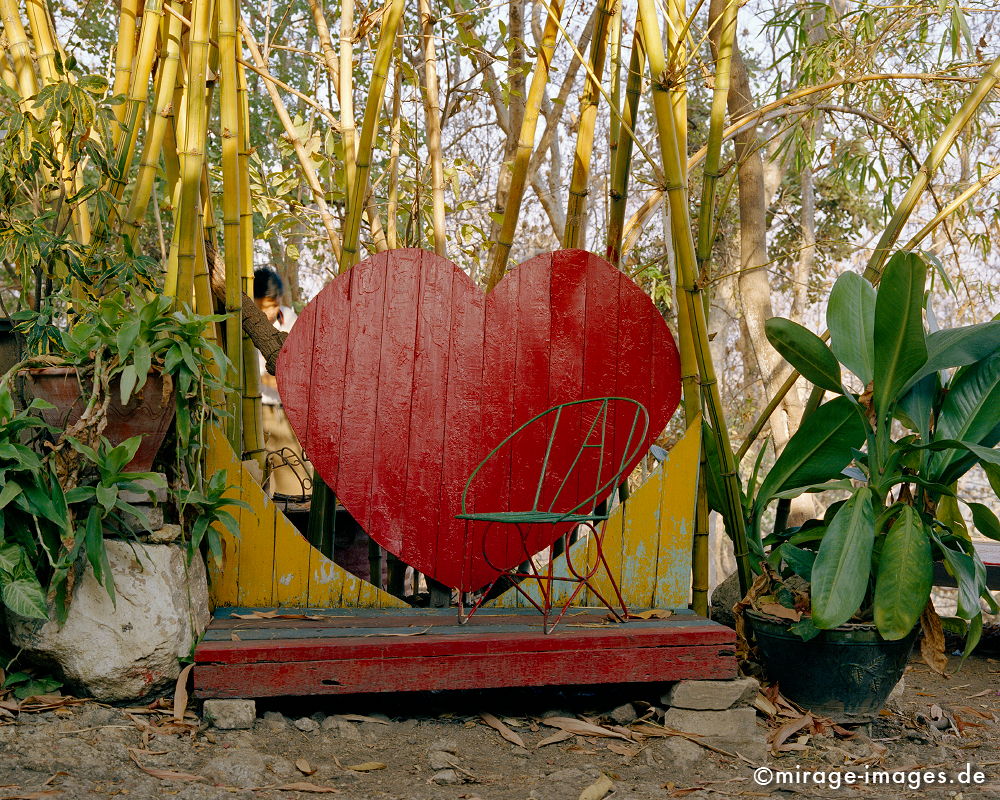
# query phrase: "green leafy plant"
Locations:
[[929, 411]]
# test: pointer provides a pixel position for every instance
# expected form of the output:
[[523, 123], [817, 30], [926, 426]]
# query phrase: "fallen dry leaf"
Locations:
[[932, 644], [363, 718], [787, 730], [598, 790], [302, 786], [304, 766], [561, 736], [367, 766], [28, 795], [622, 749], [163, 774], [181, 693], [502, 729], [779, 611], [581, 728], [653, 613]]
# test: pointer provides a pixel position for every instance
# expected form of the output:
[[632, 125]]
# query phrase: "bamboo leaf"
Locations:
[[850, 316], [819, 450], [899, 329], [843, 563], [905, 575], [805, 351]]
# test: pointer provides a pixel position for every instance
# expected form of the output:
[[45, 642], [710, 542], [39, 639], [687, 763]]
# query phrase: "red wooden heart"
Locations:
[[401, 376]]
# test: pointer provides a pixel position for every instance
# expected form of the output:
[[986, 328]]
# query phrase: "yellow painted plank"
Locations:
[[647, 540], [272, 563], [677, 510], [223, 579]]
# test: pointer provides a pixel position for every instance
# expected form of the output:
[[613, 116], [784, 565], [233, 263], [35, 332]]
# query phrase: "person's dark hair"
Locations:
[[267, 283]]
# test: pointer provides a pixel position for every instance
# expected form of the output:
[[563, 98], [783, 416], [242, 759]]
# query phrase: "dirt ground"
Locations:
[[438, 747]]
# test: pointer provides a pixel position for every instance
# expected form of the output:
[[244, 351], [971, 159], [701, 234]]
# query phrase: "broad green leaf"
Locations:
[[843, 563], [850, 316], [963, 568], [126, 383], [800, 561], [970, 412], [985, 520], [957, 347], [106, 496], [917, 405], [821, 447], [905, 575], [8, 493], [900, 347], [25, 596], [826, 486], [10, 557], [805, 351]]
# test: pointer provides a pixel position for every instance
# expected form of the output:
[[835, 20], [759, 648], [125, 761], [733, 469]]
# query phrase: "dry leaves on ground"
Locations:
[[598, 790], [502, 729], [304, 766], [580, 727], [313, 788]]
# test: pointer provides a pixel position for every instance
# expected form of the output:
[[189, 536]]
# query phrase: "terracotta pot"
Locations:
[[148, 413]]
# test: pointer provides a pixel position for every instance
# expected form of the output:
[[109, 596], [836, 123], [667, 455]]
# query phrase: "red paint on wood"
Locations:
[[416, 673], [472, 358]]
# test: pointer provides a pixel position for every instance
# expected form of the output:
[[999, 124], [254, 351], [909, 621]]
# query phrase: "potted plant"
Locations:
[[837, 605]]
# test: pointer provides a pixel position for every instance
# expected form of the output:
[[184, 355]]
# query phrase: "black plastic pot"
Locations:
[[846, 673]]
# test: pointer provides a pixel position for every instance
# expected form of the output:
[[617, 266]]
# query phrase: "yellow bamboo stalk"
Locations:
[[138, 94], [20, 52], [621, 164], [305, 162], [579, 188], [44, 38], [680, 222], [432, 115], [193, 135], [345, 95], [156, 131], [500, 251], [325, 43], [230, 120], [395, 137], [366, 144], [128, 18]]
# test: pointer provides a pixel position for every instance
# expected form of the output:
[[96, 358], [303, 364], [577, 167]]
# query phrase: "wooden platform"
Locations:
[[352, 651]]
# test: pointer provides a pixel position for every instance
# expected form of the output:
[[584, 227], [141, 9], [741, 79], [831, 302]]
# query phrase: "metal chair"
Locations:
[[590, 438]]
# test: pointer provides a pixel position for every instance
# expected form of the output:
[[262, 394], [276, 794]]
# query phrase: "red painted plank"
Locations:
[[481, 671], [396, 375], [434, 646]]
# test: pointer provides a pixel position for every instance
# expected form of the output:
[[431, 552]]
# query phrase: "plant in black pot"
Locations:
[[840, 599]]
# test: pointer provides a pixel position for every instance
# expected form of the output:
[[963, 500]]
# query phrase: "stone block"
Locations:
[[124, 650], [230, 715], [711, 695], [734, 730]]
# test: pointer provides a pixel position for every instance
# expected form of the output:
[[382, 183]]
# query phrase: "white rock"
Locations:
[[711, 695], [306, 724], [126, 649], [231, 715]]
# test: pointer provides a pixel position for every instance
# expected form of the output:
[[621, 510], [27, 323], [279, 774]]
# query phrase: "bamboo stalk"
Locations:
[[325, 42], [500, 251], [230, 120], [676, 175], [621, 165], [345, 95], [156, 131], [432, 114], [935, 157], [579, 187], [305, 162], [950, 209], [124, 49], [366, 144], [44, 38], [20, 52], [395, 136], [193, 136]]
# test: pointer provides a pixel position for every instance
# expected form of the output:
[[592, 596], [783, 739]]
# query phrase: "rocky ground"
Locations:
[[577, 745]]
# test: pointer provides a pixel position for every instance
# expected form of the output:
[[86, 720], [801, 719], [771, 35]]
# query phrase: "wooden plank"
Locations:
[[475, 642], [480, 671], [257, 534], [672, 560], [393, 404], [223, 578]]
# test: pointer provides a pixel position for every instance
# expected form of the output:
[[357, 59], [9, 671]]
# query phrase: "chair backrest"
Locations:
[[577, 436]]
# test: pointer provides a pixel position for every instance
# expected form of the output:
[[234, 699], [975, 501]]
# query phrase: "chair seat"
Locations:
[[532, 517]]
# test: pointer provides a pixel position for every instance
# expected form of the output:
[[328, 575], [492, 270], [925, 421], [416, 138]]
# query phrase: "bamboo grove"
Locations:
[[180, 126]]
